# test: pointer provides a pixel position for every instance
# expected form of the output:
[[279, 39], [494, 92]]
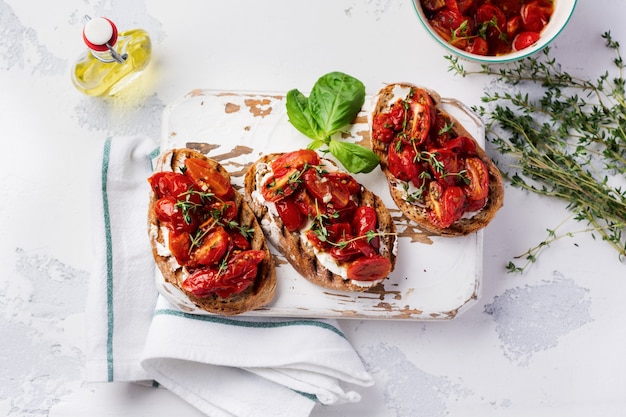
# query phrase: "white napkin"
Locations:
[[224, 366]]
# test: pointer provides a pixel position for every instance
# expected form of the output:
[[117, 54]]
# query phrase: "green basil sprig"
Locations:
[[334, 102]]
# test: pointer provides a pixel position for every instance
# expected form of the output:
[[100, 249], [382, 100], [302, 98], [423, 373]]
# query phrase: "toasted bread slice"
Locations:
[[298, 252], [418, 211], [258, 294]]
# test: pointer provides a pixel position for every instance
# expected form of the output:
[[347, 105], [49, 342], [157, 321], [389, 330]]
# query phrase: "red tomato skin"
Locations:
[[180, 246], [276, 188], [478, 174], [524, 40], [477, 46], [421, 116], [345, 179], [168, 213], [213, 248], [290, 214], [285, 163], [238, 275], [369, 268], [447, 204], [208, 179], [171, 184]]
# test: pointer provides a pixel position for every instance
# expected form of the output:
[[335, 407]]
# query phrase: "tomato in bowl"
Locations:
[[494, 31]]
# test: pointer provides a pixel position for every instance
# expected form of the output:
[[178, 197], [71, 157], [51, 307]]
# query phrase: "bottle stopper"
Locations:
[[100, 34]]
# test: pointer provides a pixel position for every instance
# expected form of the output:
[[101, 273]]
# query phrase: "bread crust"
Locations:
[[300, 255], [464, 226], [260, 293]]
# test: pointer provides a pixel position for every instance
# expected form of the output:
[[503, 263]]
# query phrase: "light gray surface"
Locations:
[[550, 342]]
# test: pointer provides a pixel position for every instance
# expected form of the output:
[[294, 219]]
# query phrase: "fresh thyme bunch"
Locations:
[[569, 143]]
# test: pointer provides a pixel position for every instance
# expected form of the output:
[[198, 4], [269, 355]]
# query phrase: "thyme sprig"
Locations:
[[568, 143]]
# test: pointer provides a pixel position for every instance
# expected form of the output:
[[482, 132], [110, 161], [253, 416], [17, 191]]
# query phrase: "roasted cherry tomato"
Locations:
[[208, 179], [385, 125], [345, 179], [402, 163], [478, 175], [285, 163], [447, 167], [172, 184], [452, 26], [342, 215], [169, 211], [475, 205], [307, 205], [225, 211], [369, 268], [365, 220], [513, 26], [478, 46], [535, 15], [290, 214], [276, 188], [320, 188], [524, 40], [238, 241], [446, 204], [213, 247], [238, 275], [461, 144], [422, 116], [180, 246]]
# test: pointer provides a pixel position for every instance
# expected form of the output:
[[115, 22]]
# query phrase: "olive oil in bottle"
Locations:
[[112, 59]]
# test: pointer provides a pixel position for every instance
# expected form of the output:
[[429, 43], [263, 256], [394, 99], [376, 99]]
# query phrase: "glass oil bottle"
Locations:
[[112, 59]]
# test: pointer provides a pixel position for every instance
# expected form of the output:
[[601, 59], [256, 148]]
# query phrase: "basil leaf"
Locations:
[[315, 144], [335, 100], [355, 158], [299, 115]]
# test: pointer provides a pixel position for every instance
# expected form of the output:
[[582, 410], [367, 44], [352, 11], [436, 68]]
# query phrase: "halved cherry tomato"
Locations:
[[344, 179], [475, 205], [461, 144], [276, 188], [365, 220], [369, 268], [322, 189], [459, 6], [172, 184], [290, 214], [452, 26], [342, 215], [524, 40], [513, 26], [402, 163], [208, 179], [493, 16], [346, 253], [285, 163], [180, 245], [385, 125], [535, 15], [478, 46], [238, 275], [308, 206], [478, 175], [421, 117], [213, 247], [168, 212], [238, 241], [225, 211], [448, 166], [446, 204], [333, 233]]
